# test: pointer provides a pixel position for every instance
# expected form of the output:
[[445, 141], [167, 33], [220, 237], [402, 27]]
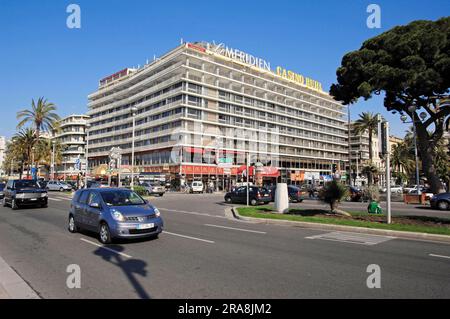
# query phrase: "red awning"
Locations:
[[194, 150]]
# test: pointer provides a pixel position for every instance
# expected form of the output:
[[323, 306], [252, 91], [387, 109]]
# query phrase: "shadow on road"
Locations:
[[130, 267]]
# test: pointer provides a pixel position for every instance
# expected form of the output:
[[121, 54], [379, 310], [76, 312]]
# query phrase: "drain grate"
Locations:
[[353, 238]]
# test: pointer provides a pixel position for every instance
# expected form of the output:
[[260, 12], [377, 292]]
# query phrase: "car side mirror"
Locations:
[[94, 205]]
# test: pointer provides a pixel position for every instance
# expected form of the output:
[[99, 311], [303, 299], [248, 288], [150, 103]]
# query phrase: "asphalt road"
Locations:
[[202, 254]]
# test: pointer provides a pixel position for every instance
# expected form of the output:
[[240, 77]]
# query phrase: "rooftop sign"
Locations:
[[245, 58]]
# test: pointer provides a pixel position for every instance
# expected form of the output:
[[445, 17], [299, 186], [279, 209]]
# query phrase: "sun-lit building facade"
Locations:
[[203, 109]]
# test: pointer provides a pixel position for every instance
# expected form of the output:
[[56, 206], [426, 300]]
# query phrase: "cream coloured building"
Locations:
[[203, 108]]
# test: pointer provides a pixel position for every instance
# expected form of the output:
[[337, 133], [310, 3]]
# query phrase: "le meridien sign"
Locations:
[[262, 64], [239, 55]]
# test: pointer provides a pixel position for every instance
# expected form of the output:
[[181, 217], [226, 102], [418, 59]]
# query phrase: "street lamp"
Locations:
[[86, 155], [422, 115], [133, 114], [53, 159]]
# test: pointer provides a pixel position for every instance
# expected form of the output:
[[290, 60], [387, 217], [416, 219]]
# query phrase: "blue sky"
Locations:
[[40, 56]]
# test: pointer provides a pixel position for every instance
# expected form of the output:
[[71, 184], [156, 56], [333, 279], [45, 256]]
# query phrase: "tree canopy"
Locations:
[[411, 65]]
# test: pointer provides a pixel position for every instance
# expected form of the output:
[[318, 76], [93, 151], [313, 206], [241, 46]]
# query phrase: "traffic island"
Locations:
[[411, 227]]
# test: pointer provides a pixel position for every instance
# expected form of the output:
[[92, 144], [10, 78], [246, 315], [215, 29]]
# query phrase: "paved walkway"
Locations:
[[12, 286]]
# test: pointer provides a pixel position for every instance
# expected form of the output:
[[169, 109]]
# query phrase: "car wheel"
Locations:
[[442, 205], [161, 195], [253, 202], [61, 189], [72, 227], [348, 198], [300, 200], [228, 199], [14, 205], [104, 234]]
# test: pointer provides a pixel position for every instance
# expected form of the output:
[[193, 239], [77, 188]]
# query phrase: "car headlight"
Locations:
[[117, 215], [44, 195], [157, 212]]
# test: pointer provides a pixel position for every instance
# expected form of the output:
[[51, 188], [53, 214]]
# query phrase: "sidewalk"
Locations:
[[12, 286]]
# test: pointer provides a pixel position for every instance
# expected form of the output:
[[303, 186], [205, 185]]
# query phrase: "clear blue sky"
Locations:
[[40, 56]]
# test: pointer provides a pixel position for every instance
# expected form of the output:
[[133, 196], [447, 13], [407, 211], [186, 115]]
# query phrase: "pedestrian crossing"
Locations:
[[59, 199], [353, 238]]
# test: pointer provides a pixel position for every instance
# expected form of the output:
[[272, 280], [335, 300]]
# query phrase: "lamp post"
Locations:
[[133, 114], [86, 155], [53, 160], [423, 115]]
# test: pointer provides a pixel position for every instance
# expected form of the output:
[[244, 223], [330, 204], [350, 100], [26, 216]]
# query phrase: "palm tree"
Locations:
[[370, 171], [42, 116], [23, 143], [367, 121], [44, 151], [402, 158]]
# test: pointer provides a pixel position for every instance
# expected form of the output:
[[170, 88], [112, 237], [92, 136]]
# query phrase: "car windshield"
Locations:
[[121, 198], [26, 184]]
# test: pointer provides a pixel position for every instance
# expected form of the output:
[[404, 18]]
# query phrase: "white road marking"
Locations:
[[238, 229], [54, 199], [189, 237], [106, 248], [439, 256], [190, 213], [354, 238], [62, 198]]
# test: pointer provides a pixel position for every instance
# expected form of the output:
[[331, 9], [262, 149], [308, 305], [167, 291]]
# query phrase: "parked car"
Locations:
[[410, 188], [440, 201], [114, 213], [58, 186], [19, 193], [196, 187], [427, 191], [295, 194], [354, 194], [72, 184], [2, 187], [154, 188], [93, 184], [396, 189], [256, 195]]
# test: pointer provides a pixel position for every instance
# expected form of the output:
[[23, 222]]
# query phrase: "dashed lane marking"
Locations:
[[189, 237], [439, 256], [238, 229], [106, 248]]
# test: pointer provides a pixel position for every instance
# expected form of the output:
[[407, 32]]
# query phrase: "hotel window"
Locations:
[[195, 114], [193, 100]]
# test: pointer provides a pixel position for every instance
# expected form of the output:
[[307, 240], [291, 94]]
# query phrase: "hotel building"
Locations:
[[203, 109]]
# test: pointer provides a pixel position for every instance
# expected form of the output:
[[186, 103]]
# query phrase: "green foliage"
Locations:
[[332, 193], [411, 65], [367, 121], [140, 190]]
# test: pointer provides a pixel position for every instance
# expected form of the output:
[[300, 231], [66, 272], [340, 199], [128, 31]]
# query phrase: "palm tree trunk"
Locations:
[[370, 145]]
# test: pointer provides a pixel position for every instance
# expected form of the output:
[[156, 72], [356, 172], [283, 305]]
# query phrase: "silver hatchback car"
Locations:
[[114, 213]]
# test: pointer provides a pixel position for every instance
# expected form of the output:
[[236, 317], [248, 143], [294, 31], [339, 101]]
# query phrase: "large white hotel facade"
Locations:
[[203, 108]]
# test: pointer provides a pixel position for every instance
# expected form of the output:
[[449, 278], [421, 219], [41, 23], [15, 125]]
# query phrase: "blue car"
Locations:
[[114, 213]]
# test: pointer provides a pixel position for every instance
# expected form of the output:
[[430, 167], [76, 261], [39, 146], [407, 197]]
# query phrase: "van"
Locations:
[[197, 187]]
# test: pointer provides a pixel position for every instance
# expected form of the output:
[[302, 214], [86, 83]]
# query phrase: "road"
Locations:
[[202, 254]]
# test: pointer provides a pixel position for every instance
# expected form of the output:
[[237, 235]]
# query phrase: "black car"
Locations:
[[295, 194], [440, 201], [257, 195], [2, 187], [20, 193]]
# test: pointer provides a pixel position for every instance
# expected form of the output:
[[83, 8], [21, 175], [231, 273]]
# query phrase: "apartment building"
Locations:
[[2, 154], [72, 137], [203, 110]]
